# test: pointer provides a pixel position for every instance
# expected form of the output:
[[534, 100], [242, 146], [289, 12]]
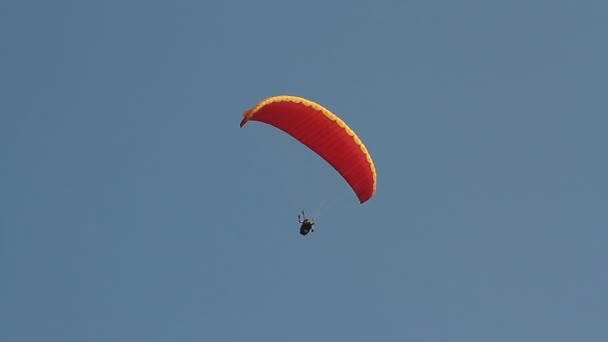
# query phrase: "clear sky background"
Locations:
[[134, 208]]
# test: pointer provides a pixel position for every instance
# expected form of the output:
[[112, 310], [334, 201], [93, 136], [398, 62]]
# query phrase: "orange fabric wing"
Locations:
[[324, 133]]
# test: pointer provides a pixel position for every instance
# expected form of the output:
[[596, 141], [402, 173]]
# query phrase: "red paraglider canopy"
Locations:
[[324, 133]]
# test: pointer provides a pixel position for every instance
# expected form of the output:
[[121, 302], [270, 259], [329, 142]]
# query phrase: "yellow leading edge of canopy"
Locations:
[[296, 99]]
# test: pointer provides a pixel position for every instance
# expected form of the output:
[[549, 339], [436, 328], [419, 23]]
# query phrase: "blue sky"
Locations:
[[134, 208]]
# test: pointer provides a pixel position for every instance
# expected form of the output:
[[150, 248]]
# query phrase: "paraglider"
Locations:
[[307, 224], [324, 133]]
